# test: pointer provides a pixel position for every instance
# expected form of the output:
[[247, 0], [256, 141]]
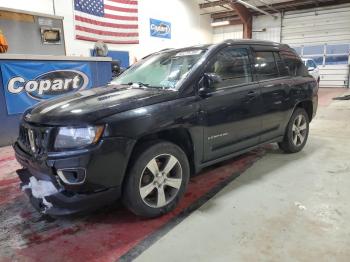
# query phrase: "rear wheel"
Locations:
[[296, 133], [157, 179]]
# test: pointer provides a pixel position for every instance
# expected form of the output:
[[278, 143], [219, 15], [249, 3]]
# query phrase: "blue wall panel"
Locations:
[[122, 56], [100, 75]]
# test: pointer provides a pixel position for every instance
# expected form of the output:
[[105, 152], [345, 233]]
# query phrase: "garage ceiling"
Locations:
[[221, 10]]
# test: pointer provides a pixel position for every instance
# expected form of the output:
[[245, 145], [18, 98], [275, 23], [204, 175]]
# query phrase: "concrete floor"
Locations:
[[284, 208], [281, 208]]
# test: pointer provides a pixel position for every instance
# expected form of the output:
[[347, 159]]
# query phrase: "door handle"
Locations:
[[252, 94]]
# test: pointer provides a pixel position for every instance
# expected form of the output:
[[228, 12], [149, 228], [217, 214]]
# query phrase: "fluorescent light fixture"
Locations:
[[220, 23]]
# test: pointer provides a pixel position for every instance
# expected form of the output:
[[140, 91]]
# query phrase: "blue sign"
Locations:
[[27, 83], [160, 29]]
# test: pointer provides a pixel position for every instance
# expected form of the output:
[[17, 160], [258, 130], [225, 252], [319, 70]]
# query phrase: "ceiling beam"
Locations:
[[268, 6], [224, 14], [235, 22], [254, 8], [225, 7], [246, 18], [214, 3], [284, 6]]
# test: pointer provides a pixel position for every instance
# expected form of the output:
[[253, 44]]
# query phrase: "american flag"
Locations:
[[111, 21]]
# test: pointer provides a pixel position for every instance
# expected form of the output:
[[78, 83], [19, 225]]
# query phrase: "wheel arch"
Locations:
[[179, 136], [307, 106]]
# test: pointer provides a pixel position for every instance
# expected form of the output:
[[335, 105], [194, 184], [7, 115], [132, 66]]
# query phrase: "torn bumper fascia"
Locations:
[[51, 199], [37, 190], [41, 189]]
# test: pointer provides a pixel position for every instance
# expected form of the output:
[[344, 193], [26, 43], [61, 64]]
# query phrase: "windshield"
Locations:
[[162, 70]]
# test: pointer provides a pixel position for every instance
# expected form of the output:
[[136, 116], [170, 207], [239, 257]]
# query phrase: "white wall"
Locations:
[[320, 25], [222, 33], [264, 28], [317, 27], [188, 26], [267, 28], [40, 6]]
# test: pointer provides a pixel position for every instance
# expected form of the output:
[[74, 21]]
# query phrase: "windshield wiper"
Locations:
[[142, 85], [138, 84]]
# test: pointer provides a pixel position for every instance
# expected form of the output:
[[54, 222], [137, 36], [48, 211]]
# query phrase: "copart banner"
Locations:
[[27, 83]]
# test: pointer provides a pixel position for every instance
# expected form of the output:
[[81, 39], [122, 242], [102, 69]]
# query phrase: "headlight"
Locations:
[[71, 137]]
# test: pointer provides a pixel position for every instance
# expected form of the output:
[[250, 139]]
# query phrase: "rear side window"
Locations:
[[233, 66], [265, 65], [295, 65]]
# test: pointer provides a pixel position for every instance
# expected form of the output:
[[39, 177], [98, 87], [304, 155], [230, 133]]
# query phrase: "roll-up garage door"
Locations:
[[227, 32], [324, 35]]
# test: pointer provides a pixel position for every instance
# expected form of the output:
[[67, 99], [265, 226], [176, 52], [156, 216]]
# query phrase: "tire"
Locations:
[[157, 179], [296, 133]]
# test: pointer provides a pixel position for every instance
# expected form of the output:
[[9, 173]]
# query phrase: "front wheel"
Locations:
[[157, 179], [296, 133]]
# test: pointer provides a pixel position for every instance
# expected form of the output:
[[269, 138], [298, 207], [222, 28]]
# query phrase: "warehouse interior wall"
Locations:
[[222, 33], [323, 34], [38, 6], [264, 28], [188, 26], [267, 28], [320, 33]]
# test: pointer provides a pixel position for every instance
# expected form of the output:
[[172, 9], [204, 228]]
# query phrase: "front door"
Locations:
[[231, 112]]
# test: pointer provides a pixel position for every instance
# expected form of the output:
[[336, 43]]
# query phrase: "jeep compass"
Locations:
[[176, 111]]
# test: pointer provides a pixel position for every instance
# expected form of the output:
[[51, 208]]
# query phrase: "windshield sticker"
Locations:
[[188, 53]]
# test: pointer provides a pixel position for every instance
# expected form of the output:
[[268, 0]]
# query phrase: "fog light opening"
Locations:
[[72, 176]]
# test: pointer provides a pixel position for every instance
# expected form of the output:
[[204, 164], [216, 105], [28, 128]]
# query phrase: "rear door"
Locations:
[[274, 81], [231, 113]]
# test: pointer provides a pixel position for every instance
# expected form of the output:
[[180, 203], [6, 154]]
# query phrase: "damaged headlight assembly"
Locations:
[[77, 137]]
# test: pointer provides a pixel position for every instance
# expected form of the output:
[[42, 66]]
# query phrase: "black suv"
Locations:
[[163, 119]]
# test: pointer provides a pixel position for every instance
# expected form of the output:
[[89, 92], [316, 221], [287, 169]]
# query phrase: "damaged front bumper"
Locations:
[[50, 199], [61, 183]]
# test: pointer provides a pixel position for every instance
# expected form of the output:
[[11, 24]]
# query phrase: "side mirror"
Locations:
[[311, 68], [207, 83]]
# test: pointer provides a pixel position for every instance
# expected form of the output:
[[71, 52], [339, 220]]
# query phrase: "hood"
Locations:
[[91, 105]]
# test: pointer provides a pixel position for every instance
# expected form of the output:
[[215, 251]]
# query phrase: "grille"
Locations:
[[23, 138], [33, 140]]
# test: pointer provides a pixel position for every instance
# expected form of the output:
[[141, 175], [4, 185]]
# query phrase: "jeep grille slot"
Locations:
[[33, 140]]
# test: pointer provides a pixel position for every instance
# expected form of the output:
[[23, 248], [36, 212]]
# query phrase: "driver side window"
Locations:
[[232, 66]]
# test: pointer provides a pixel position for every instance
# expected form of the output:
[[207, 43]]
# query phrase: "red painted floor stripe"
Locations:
[[6, 159], [6, 182], [105, 235], [326, 95]]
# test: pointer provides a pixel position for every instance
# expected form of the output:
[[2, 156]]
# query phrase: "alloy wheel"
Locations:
[[160, 181], [299, 130]]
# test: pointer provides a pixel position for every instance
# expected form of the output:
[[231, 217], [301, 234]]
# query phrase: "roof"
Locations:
[[228, 41]]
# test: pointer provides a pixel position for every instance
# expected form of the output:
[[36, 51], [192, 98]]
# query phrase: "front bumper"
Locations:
[[61, 202], [104, 169]]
